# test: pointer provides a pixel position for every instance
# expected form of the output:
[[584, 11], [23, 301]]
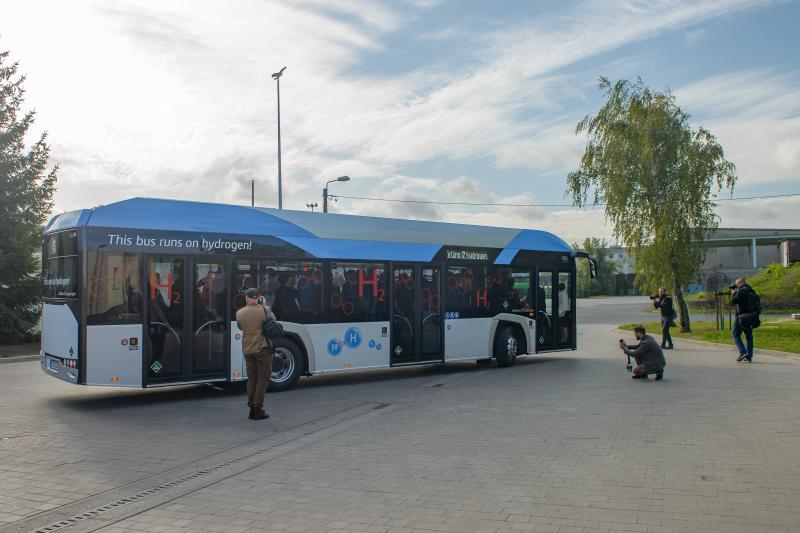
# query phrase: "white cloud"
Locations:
[[695, 35], [176, 100], [761, 213], [755, 116]]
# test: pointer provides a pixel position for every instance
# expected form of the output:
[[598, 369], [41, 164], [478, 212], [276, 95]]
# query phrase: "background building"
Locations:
[[732, 253]]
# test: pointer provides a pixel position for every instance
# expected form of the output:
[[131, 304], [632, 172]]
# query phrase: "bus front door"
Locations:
[[565, 336], [416, 314], [186, 320], [545, 317], [555, 321]]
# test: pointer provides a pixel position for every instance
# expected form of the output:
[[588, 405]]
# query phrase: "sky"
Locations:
[[433, 100]]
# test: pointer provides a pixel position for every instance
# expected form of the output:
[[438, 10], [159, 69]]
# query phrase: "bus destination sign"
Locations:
[[468, 255]]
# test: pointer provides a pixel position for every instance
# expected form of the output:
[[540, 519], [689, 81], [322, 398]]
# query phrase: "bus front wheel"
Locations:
[[506, 347], [287, 365]]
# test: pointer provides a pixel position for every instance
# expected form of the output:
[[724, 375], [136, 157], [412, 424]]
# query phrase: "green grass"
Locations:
[[782, 335], [778, 288]]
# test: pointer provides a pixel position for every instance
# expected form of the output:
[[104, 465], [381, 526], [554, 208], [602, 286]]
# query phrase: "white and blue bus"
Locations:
[[144, 292]]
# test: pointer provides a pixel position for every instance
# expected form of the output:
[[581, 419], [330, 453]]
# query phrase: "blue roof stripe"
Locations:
[[534, 239], [506, 256], [171, 215], [316, 233], [365, 250]]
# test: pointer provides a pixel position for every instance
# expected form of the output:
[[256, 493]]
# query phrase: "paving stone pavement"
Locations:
[[564, 442]]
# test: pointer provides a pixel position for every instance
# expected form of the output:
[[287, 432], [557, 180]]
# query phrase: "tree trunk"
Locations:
[[686, 326]]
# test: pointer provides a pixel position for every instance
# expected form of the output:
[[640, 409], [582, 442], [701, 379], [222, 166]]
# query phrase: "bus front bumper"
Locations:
[[57, 367]]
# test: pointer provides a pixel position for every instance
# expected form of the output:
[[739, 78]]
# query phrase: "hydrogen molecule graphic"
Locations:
[[335, 347], [352, 338]]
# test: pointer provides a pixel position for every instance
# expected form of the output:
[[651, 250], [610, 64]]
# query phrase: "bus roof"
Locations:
[[312, 232]]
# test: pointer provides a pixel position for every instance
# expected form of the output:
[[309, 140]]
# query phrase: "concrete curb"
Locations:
[[18, 358], [727, 347]]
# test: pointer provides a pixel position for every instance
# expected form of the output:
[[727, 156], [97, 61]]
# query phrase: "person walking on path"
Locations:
[[648, 355], [663, 302], [257, 351], [743, 297]]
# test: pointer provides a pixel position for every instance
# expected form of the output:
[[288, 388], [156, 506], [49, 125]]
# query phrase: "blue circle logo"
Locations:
[[378, 346], [334, 347], [372, 343], [352, 338]]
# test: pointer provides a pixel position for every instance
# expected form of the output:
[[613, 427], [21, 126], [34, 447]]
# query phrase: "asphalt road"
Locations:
[[564, 442]]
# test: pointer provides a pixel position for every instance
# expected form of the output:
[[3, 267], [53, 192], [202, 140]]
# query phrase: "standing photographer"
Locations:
[[257, 350], [747, 308], [663, 302]]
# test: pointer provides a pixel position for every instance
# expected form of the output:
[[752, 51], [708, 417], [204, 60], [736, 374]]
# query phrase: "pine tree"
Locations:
[[26, 192]]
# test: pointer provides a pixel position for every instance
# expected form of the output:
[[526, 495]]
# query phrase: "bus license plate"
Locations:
[[52, 364]]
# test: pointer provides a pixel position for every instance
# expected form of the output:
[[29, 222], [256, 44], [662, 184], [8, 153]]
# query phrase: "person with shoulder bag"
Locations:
[[257, 350], [748, 309]]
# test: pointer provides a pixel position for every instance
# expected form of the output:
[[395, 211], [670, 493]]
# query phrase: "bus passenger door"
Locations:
[[209, 317], [430, 302], [545, 317], [187, 320], [165, 333], [565, 291], [416, 314]]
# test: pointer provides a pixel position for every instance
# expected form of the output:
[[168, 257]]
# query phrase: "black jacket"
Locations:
[[665, 304], [742, 299]]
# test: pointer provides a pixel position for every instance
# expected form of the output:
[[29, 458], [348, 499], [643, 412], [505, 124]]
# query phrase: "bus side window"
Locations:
[[357, 293], [466, 292], [114, 294], [292, 290]]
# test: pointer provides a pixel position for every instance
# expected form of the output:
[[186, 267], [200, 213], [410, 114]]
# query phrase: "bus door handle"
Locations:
[[208, 324], [167, 326], [436, 318]]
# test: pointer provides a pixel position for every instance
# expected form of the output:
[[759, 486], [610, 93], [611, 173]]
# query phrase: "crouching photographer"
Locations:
[[648, 355]]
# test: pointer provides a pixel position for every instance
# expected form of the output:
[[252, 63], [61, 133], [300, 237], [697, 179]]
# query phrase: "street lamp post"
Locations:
[[277, 77], [325, 192], [312, 206]]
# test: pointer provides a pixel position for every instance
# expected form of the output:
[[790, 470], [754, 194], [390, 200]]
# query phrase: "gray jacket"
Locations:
[[649, 353]]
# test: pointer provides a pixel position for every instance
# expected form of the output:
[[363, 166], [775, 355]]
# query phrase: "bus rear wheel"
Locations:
[[287, 365], [506, 346]]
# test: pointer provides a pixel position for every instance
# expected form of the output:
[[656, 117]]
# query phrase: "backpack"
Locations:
[[751, 319], [272, 329], [755, 302]]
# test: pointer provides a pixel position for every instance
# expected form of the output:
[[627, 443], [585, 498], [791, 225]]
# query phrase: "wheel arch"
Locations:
[[299, 335], [520, 325]]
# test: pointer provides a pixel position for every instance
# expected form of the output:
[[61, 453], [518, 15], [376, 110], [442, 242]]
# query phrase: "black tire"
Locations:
[[506, 346], [287, 365]]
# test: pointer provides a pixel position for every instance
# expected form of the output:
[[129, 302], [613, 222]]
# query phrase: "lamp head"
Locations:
[[276, 75], [343, 178]]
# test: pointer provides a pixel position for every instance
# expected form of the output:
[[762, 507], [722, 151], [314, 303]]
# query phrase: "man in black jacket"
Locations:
[[664, 302], [742, 298]]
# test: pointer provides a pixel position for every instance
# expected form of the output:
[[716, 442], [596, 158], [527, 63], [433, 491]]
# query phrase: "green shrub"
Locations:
[[778, 287]]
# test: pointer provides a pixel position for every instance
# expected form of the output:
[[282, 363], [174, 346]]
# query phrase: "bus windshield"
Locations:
[[60, 265]]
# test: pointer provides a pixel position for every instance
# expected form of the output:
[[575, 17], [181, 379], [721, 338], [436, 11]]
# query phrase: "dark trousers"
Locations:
[[259, 370], [737, 338], [665, 336]]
